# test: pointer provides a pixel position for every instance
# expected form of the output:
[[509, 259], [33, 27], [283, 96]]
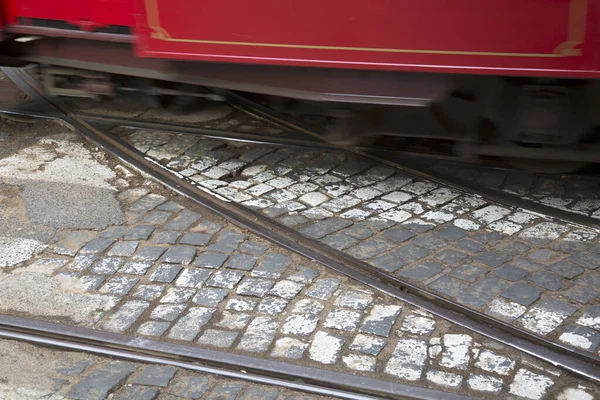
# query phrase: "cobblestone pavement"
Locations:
[[31, 372], [172, 271], [535, 273], [576, 193]]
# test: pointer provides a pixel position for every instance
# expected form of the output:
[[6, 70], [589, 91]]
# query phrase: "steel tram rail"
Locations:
[[389, 157], [306, 379], [574, 361]]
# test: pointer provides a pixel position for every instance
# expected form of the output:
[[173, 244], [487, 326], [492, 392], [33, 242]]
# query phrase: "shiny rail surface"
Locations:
[[306, 379], [390, 157], [574, 361]]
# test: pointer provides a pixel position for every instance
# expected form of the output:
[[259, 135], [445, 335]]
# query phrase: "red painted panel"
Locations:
[[113, 12], [88, 14], [61, 10], [490, 36]]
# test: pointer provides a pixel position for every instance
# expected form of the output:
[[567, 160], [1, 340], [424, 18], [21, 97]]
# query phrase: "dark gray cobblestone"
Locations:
[[283, 307], [313, 316], [485, 256]]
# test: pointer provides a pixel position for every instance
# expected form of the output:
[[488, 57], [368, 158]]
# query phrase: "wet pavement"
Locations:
[[160, 267]]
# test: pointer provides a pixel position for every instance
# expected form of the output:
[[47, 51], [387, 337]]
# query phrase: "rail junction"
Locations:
[[250, 248]]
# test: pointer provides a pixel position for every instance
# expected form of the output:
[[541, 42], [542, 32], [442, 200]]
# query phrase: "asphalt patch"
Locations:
[[71, 206]]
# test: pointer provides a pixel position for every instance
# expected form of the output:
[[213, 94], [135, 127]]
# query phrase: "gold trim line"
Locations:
[[575, 38]]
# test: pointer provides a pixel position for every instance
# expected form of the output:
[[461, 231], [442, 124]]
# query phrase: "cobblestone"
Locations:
[[101, 381], [125, 316], [522, 293], [259, 335], [155, 375], [325, 348], [300, 324], [408, 360], [188, 326], [206, 303], [456, 353], [165, 273], [530, 385], [323, 288], [342, 320]]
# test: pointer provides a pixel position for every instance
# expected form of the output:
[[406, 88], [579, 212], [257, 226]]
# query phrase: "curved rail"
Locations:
[[388, 157], [575, 361], [256, 370]]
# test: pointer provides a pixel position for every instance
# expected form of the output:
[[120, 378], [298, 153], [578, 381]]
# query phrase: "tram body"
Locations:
[[530, 66]]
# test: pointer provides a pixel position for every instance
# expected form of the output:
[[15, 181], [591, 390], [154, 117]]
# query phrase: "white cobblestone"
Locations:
[[542, 320], [456, 352], [408, 359], [522, 217], [216, 173], [398, 197], [289, 348], [484, 383], [337, 190], [580, 235], [313, 199], [544, 231], [419, 187], [325, 348], [258, 203], [303, 188], [366, 193], [300, 324], [260, 189], [576, 340], [368, 344], [435, 351], [354, 299], [439, 196], [418, 325], [444, 378], [466, 224], [342, 320], [286, 289], [589, 320], [490, 214], [342, 203], [240, 185], [317, 213], [414, 208], [495, 363], [281, 182], [574, 394], [438, 216], [506, 309], [530, 385], [360, 362], [262, 177], [253, 170], [356, 214], [310, 306], [505, 227], [396, 215], [379, 205], [282, 195]]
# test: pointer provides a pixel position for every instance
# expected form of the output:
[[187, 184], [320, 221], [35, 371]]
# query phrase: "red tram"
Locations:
[[528, 66]]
